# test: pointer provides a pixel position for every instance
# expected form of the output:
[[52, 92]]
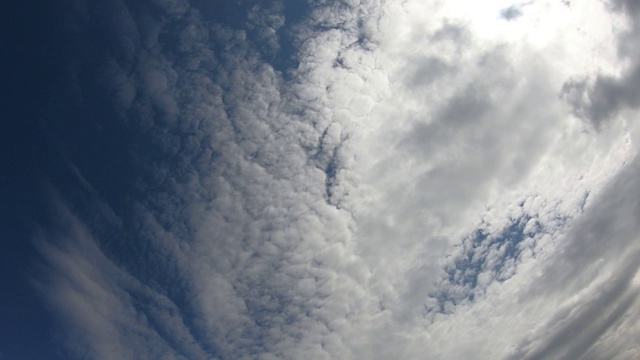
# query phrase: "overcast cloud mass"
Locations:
[[331, 179]]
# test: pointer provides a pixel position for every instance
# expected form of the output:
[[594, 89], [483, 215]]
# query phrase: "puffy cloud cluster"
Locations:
[[416, 185]]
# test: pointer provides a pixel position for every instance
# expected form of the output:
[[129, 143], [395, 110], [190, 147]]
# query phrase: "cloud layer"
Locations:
[[420, 181]]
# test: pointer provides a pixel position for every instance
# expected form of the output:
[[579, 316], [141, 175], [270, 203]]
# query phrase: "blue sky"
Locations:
[[28, 81], [320, 179]]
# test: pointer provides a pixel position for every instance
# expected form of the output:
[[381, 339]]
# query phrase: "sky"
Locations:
[[320, 179]]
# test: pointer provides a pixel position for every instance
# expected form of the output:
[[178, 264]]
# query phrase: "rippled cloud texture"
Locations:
[[355, 179]]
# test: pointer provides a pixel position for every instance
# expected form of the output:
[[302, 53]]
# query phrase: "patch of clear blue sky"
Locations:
[[32, 60], [461, 275]]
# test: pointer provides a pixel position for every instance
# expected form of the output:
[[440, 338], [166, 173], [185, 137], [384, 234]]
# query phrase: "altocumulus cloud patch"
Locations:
[[346, 180]]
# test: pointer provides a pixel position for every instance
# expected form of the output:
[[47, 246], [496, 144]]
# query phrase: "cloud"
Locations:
[[409, 189], [593, 249], [602, 98], [512, 12], [104, 311]]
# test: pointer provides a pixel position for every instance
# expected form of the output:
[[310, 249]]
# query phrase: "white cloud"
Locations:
[[329, 215]]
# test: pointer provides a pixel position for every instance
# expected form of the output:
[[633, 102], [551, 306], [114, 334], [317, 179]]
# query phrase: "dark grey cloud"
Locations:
[[604, 97], [455, 33], [599, 101], [512, 12], [428, 70], [465, 109]]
